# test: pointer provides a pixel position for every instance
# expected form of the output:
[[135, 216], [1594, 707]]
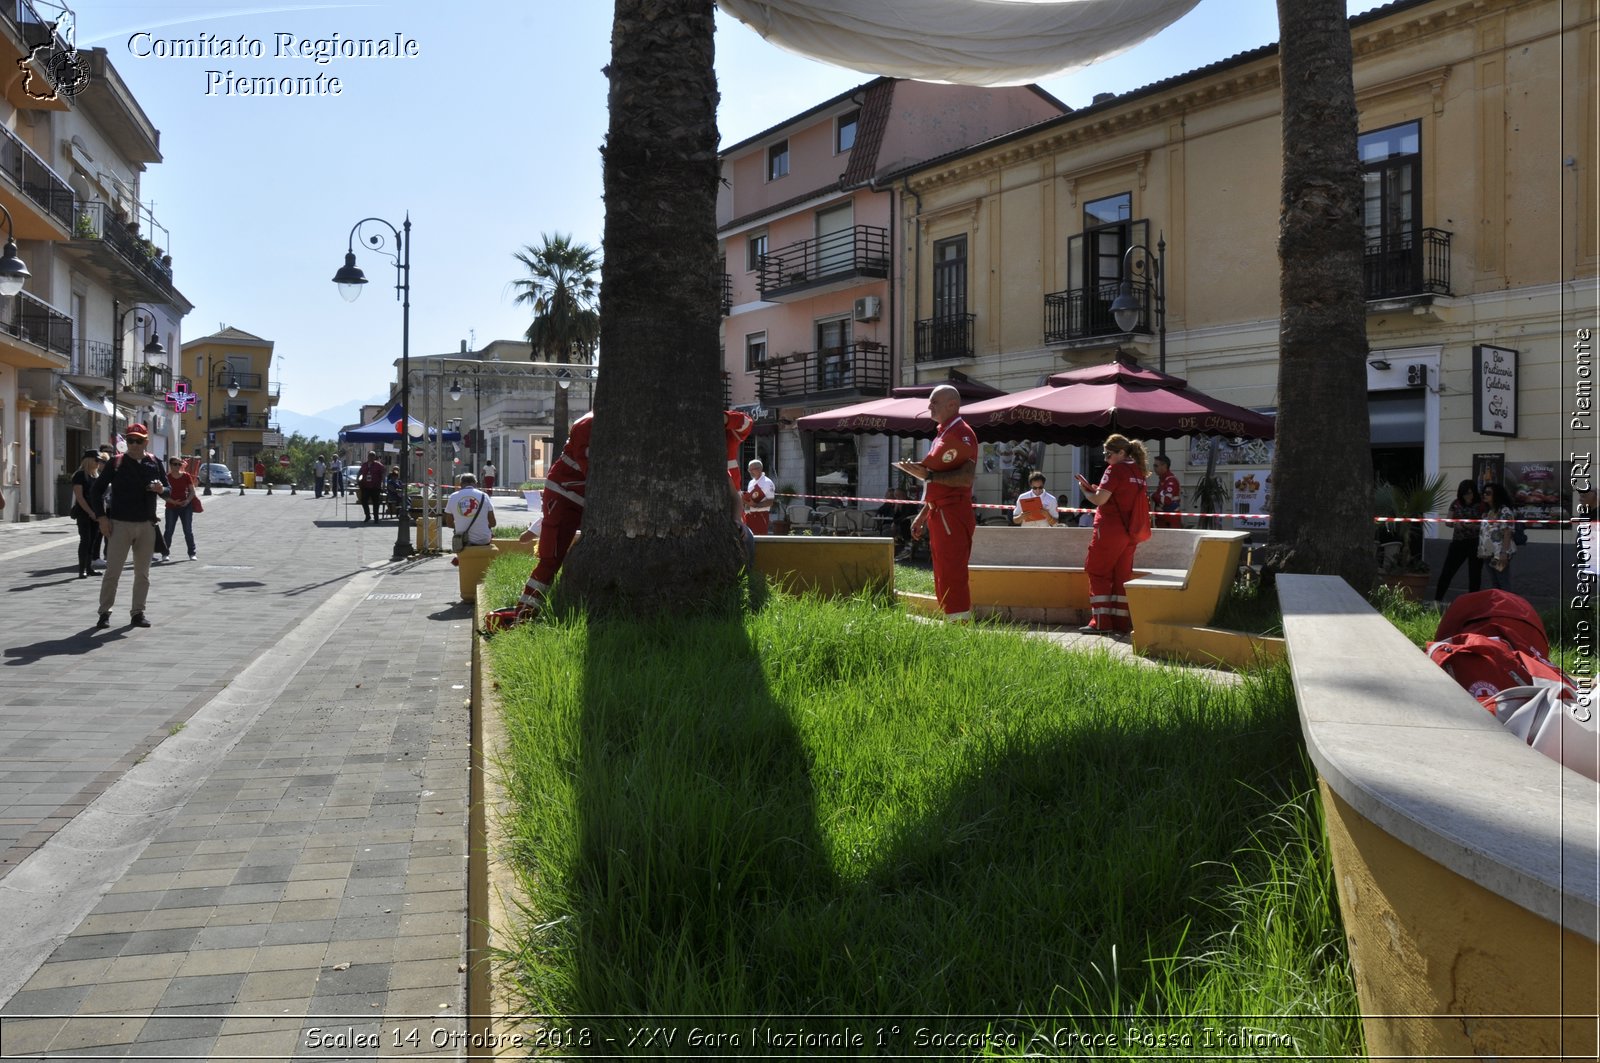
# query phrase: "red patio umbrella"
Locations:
[[904, 413], [1086, 405]]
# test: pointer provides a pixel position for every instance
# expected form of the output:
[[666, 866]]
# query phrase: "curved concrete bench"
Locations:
[[1467, 864]]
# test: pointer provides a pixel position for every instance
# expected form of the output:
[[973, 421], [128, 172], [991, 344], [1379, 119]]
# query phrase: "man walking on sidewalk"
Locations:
[[127, 489]]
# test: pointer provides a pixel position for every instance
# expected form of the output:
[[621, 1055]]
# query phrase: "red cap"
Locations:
[[138, 430]]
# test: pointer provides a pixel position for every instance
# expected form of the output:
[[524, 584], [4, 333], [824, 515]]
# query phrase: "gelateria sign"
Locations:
[[1494, 390]]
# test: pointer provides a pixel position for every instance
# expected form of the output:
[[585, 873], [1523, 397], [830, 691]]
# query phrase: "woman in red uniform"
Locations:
[[562, 501], [1121, 523]]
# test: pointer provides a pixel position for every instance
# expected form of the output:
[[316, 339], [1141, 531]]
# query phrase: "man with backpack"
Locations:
[[125, 502]]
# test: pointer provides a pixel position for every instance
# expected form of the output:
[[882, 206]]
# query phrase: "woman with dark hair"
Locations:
[[1464, 514], [1121, 523], [1494, 538]]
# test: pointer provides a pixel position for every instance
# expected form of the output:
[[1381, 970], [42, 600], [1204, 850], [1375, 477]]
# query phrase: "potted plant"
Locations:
[[1400, 559]]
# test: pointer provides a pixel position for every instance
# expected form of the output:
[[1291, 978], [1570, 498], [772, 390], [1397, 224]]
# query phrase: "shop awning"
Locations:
[[73, 392]]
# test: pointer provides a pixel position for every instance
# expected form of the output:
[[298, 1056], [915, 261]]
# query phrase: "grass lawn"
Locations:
[[836, 813]]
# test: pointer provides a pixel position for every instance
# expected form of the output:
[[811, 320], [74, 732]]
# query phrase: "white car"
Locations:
[[216, 474], [351, 472]]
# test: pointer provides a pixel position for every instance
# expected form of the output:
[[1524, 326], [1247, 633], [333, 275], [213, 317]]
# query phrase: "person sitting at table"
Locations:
[[1036, 507], [896, 513], [394, 492]]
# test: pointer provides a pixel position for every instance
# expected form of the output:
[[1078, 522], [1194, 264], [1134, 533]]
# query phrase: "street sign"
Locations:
[[284, 460]]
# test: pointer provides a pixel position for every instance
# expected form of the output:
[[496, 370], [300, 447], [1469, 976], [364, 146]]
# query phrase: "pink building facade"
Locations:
[[810, 264]]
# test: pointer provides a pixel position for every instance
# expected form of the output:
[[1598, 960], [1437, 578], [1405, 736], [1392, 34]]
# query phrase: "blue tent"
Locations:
[[386, 429]]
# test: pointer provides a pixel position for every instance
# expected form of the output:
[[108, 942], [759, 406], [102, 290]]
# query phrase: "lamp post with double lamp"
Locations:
[[477, 423], [349, 278], [211, 435], [119, 319], [1127, 310]]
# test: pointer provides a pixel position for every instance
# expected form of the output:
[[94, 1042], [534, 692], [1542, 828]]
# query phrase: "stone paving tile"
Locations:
[[311, 846]]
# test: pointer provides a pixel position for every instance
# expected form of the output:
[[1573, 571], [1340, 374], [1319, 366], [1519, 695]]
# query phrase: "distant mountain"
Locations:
[[324, 424]]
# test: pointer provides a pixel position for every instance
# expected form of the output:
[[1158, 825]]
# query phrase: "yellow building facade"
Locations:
[[1477, 126], [233, 421]]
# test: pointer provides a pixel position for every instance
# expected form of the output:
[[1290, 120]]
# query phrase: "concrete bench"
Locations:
[[1467, 864], [1037, 575], [827, 565]]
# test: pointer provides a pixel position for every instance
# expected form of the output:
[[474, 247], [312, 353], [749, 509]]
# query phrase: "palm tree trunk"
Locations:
[[658, 535], [1322, 471]]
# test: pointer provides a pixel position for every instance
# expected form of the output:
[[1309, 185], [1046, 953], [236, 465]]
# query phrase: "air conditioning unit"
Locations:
[[869, 308]]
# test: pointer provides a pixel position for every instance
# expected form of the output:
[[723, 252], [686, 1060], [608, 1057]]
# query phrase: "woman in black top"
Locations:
[[83, 512], [1468, 508]]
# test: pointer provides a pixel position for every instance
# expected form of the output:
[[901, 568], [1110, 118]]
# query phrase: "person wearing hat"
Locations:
[[83, 512], [127, 489]]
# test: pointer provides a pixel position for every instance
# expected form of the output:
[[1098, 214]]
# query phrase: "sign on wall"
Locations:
[[1494, 390]]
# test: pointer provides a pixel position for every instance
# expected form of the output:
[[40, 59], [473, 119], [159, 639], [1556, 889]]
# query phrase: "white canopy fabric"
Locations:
[[964, 42]]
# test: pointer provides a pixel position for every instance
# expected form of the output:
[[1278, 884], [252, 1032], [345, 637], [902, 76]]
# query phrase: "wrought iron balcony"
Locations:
[[943, 338], [255, 422], [94, 358], [836, 259], [1083, 313], [95, 226], [860, 368], [1407, 264], [155, 380], [246, 381], [35, 321], [726, 282], [35, 178]]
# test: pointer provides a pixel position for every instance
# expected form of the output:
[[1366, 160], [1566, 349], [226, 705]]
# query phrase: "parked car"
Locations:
[[216, 474], [351, 472]]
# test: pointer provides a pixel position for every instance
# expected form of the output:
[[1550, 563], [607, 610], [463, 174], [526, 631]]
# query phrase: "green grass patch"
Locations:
[[829, 810]]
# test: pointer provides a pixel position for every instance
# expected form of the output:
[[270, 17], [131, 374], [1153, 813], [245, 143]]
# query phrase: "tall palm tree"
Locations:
[[659, 535], [561, 286], [1322, 468]]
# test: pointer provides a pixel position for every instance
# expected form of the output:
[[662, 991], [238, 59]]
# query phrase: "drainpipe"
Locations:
[[916, 276]]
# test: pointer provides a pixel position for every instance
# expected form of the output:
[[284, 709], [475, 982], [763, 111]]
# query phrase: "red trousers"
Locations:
[[758, 521], [950, 531], [562, 519], [1109, 566]]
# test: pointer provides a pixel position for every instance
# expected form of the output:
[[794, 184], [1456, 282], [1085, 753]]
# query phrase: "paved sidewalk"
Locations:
[[243, 832]]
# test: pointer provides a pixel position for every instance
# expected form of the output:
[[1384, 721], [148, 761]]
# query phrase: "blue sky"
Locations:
[[488, 137]]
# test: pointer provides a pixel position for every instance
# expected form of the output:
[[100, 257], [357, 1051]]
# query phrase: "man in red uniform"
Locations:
[[947, 472], [1169, 494], [1121, 523], [562, 502]]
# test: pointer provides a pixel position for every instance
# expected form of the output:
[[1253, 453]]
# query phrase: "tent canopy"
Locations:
[[387, 427], [1086, 405], [904, 413], [964, 42]]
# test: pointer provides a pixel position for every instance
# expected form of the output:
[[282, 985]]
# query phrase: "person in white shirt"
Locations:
[[758, 499], [470, 513], [1036, 507]]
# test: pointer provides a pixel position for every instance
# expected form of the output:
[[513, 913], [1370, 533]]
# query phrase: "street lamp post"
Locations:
[[211, 436], [349, 278], [119, 319], [477, 395], [1126, 309]]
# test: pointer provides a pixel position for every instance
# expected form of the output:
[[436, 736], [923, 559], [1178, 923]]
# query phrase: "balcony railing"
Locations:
[[726, 283], [35, 177], [256, 422], [1408, 263], [859, 251], [148, 379], [246, 381], [95, 358], [1083, 313], [860, 368], [941, 338], [35, 321], [95, 221]]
